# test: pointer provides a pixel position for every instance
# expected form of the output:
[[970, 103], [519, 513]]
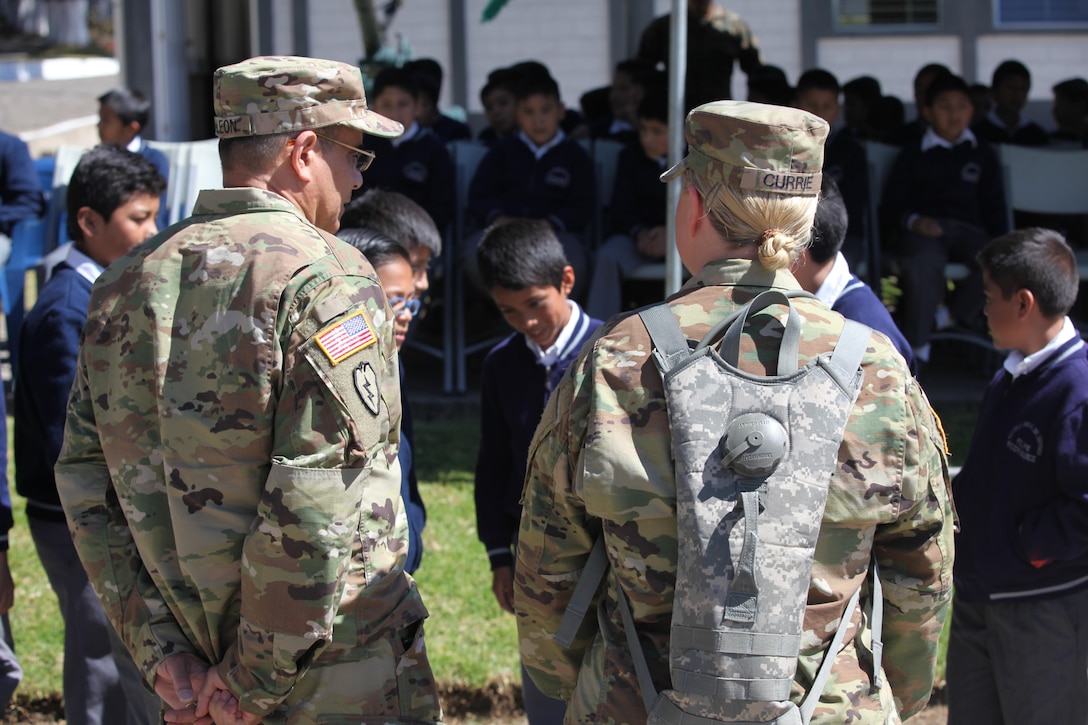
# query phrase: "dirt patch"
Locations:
[[499, 703]]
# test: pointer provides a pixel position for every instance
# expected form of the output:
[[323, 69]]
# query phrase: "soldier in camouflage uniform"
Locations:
[[717, 38], [229, 467], [600, 463]]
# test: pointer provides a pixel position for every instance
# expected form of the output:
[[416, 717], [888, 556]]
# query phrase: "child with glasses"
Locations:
[[393, 265]]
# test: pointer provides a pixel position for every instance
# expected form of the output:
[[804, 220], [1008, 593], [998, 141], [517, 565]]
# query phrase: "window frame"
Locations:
[[1015, 25], [889, 28]]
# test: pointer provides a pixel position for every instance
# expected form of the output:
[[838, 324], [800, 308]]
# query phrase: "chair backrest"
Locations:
[[177, 153], [1045, 181], [880, 158], [204, 172], [66, 159], [606, 156], [467, 156]]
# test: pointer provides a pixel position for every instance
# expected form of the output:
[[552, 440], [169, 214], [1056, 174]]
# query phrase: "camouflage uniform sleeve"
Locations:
[[915, 554], [103, 540], [334, 474], [554, 540]]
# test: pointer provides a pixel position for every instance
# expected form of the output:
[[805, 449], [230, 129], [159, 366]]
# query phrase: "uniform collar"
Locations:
[[243, 199], [1016, 364], [86, 267], [408, 135], [567, 338], [740, 273], [539, 151], [931, 140], [836, 281]]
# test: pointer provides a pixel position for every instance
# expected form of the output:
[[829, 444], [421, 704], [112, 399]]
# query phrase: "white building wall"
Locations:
[[334, 31], [569, 36], [891, 60], [1050, 58]]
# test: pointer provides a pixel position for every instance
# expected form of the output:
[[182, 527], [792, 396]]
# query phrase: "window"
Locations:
[[1041, 11], [865, 13]]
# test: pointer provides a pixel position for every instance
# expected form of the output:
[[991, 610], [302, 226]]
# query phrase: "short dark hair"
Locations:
[[1075, 89], [534, 84], [635, 69], [829, 226], [105, 178], [769, 84], [379, 249], [500, 78], [521, 253], [654, 105], [396, 78], [1009, 69], [1038, 260], [428, 75], [945, 83], [818, 79], [129, 105], [394, 215], [252, 153], [865, 87]]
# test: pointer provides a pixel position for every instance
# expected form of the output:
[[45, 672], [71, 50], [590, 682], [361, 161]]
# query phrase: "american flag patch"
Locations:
[[346, 338]]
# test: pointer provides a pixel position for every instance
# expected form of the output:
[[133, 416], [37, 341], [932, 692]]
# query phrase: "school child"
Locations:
[[539, 173], [822, 270], [946, 195], [416, 163], [1070, 111], [859, 97], [429, 75], [844, 158], [638, 210], [500, 106], [1018, 648], [909, 133], [122, 116], [393, 265], [112, 202], [523, 267], [1006, 123], [398, 217], [626, 92]]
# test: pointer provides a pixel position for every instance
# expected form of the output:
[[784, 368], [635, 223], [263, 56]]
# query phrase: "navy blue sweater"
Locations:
[[845, 162], [515, 389], [1022, 495], [450, 129], [638, 196], [48, 345], [962, 183], [420, 168], [20, 193], [409, 484], [1030, 134], [510, 181], [859, 302]]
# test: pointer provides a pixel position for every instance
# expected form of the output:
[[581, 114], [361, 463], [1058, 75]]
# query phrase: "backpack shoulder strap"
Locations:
[[669, 344], [582, 598]]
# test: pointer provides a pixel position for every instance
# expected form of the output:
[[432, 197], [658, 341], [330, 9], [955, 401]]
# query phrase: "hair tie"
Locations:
[[769, 234]]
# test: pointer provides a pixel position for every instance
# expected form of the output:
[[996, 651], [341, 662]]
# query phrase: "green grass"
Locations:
[[471, 641]]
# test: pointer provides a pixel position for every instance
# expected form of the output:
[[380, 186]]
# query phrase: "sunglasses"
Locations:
[[402, 306], [362, 158]]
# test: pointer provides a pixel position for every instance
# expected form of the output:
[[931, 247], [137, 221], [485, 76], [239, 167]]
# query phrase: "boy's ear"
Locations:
[[90, 222], [568, 281], [132, 130], [1025, 300]]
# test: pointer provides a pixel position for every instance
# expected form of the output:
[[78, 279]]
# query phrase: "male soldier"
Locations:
[[229, 465], [601, 463]]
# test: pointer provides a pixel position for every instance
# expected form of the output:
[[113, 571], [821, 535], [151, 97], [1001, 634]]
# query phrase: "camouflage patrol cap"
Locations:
[[277, 94], [755, 147]]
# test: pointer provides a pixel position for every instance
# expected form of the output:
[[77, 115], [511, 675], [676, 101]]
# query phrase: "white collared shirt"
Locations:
[[835, 282], [135, 144], [539, 151], [931, 140], [87, 268], [619, 126], [1021, 121], [558, 350], [410, 133], [1018, 365]]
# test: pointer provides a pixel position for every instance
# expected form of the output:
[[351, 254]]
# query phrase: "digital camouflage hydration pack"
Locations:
[[754, 457]]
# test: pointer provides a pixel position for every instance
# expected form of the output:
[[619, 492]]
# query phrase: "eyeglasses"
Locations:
[[362, 158], [402, 306]]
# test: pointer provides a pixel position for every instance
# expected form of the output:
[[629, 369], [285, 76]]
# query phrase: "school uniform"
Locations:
[[638, 203], [417, 165], [554, 182], [1019, 639], [960, 185], [845, 162], [450, 129], [848, 295], [1026, 133]]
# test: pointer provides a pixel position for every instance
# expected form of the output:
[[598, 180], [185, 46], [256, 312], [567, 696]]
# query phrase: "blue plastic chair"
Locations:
[[27, 250]]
